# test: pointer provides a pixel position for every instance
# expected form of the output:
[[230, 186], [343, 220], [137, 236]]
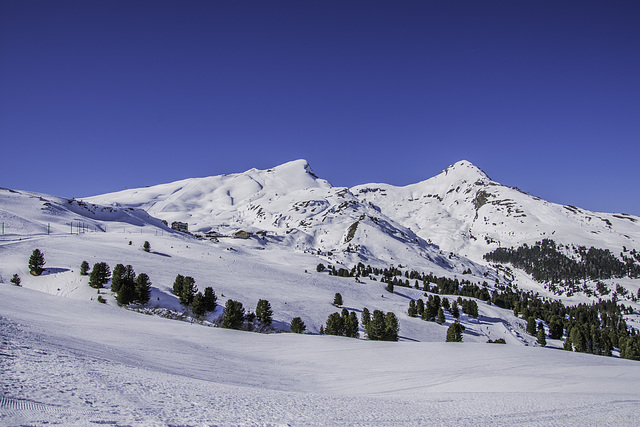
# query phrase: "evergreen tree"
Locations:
[[455, 312], [188, 290], [391, 327], [99, 275], [390, 287], [531, 326], [116, 277], [210, 299], [143, 288], [36, 262], [127, 293], [233, 316], [445, 304], [568, 345], [454, 333], [297, 325], [198, 305], [146, 246], [337, 300], [351, 326], [420, 307], [84, 268], [264, 314], [334, 326], [177, 285], [412, 309], [376, 327], [556, 329], [578, 339], [320, 267], [16, 280], [542, 339], [441, 319], [366, 317]]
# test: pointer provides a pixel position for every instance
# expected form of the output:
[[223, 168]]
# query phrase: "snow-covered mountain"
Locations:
[[462, 210], [28, 213], [71, 360], [292, 205]]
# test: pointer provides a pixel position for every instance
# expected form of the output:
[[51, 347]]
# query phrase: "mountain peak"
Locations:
[[464, 169], [296, 165]]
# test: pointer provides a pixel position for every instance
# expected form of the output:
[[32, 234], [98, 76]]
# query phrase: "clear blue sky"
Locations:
[[98, 96]]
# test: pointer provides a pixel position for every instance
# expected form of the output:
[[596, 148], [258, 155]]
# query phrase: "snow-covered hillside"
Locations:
[[292, 205], [80, 363], [462, 210], [27, 213], [68, 358]]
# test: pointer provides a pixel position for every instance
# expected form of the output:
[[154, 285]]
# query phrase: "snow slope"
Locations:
[[291, 204], [83, 363], [463, 211], [27, 213]]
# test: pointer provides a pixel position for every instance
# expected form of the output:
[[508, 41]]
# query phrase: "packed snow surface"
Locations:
[[83, 363]]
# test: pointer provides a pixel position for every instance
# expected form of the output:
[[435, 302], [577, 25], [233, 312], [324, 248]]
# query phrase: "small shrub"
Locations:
[[15, 280]]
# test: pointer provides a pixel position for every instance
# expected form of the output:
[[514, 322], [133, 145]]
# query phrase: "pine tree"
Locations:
[[334, 326], [337, 300], [390, 287], [455, 312], [84, 268], [320, 267], [127, 293], [420, 307], [36, 262], [542, 339], [412, 309], [128, 275], [233, 316], [99, 275], [177, 285], [297, 325], [264, 314], [143, 288], [351, 326], [116, 278], [188, 291], [16, 280], [454, 333], [366, 317], [531, 326], [210, 299], [198, 305], [146, 246], [375, 327], [391, 327], [568, 345], [441, 319]]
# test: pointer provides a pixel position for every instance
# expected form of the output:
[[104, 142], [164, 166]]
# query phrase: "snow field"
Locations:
[[83, 363]]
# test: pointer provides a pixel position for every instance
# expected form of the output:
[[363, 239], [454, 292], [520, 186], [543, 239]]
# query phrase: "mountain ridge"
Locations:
[[460, 210]]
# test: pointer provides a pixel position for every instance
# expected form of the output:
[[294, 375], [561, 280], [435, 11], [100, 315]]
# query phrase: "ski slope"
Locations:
[[78, 362]]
